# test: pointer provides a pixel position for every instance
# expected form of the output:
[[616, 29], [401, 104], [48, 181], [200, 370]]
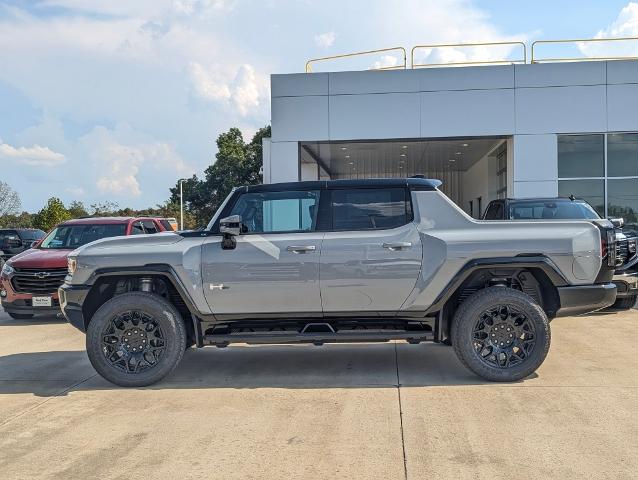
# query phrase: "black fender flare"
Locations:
[[539, 261], [168, 273]]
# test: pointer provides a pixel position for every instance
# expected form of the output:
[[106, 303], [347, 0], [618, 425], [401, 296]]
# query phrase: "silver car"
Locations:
[[337, 261]]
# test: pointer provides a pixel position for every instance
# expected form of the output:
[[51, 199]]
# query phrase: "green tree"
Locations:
[[105, 208], [22, 220], [77, 209], [51, 214], [237, 163]]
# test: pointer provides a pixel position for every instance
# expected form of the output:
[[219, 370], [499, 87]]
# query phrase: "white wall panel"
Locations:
[[393, 81], [535, 157], [622, 107], [298, 84], [391, 115], [299, 118], [560, 74], [467, 113], [560, 109], [466, 78], [547, 188], [284, 162]]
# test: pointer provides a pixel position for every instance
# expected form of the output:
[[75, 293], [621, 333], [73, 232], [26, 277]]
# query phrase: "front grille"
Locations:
[[38, 280]]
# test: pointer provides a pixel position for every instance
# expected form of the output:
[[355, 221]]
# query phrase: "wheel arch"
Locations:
[[537, 276], [107, 281]]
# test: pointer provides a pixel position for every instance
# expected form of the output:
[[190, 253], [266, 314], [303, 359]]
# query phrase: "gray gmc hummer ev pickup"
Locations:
[[337, 261]]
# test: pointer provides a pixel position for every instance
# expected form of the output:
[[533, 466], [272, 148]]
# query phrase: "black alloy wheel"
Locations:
[[133, 341]]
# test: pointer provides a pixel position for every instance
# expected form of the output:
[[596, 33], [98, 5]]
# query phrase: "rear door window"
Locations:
[[149, 226], [137, 228], [369, 208], [494, 211]]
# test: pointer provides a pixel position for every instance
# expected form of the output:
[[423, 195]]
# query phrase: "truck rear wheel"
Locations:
[[501, 334], [135, 339], [625, 303]]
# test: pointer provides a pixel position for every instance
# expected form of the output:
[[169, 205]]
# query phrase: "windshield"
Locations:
[[552, 211], [74, 236]]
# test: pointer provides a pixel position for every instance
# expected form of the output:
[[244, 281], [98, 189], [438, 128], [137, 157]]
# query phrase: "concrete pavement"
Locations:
[[371, 411]]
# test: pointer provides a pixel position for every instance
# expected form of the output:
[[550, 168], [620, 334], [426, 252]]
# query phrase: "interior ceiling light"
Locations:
[[465, 145], [403, 154], [458, 153], [452, 160], [344, 148], [347, 156], [350, 163], [404, 146]]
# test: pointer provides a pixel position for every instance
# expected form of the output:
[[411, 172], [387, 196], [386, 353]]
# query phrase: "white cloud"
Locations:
[[325, 40], [245, 92], [625, 25], [386, 61], [122, 156], [35, 156]]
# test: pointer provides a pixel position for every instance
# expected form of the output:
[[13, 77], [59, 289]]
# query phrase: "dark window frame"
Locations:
[[407, 200], [231, 205]]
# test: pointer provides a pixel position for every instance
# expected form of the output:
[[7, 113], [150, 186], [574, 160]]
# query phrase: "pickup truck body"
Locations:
[[355, 261], [563, 209]]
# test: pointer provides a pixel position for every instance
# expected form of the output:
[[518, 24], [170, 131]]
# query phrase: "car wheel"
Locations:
[[20, 316], [501, 334], [136, 339], [625, 303]]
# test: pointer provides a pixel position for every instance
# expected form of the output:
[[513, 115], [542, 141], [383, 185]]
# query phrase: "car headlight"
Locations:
[[72, 264], [632, 245], [7, 269]]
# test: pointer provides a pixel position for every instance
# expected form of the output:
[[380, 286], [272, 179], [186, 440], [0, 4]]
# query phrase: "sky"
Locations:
[[116, 100]]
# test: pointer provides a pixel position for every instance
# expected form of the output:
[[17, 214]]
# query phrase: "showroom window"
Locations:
[[603, 170]]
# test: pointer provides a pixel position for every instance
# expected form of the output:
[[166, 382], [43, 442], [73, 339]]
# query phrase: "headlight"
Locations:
[[72, 264], [632, 245], [7, 269]]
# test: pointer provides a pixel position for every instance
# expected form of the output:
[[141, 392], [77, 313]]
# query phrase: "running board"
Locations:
[[317, 338]]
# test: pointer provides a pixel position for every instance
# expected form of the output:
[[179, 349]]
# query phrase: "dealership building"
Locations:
[[488, 131]]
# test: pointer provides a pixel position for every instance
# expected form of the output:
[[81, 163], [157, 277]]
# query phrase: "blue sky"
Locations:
[[116, 100]]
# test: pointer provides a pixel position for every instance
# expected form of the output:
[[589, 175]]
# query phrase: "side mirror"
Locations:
[[617, 222], [35, 243], [230, 225]]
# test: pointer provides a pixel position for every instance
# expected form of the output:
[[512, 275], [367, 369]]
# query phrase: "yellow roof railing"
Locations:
[[309, 63], [522, 59], [518, 51], [535, 45]]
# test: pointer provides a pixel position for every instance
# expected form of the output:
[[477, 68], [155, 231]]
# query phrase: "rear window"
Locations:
[[74, 236], [166, 225], [32, 235], [369, 209], [552, 211]]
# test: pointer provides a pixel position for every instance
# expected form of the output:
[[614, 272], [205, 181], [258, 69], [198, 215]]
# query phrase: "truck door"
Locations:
[[371, 258], [274, 267]]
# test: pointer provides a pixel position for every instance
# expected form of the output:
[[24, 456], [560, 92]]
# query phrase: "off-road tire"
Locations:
[[168, 319], [464, 325], [625, 303], [20, 316]]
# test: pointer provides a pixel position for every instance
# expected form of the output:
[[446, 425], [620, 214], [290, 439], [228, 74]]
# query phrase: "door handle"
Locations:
[[301, 248], [397, 245]]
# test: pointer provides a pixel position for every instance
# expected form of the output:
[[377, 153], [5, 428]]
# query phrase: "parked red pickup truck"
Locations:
[[29, 281]]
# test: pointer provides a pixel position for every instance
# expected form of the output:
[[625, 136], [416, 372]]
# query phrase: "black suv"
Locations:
[[16, 240], [626, 275]]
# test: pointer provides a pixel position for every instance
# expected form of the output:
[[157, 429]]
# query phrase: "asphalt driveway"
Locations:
[[387, 411]]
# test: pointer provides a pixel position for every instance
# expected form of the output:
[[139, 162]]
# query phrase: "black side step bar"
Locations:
[[317, 338]]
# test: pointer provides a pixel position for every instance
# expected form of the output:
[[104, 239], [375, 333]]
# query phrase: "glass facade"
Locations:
[[603, 170]]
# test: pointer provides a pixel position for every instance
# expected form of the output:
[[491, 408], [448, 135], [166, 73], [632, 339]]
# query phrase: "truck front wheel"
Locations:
[[135, 339], [501, 334]]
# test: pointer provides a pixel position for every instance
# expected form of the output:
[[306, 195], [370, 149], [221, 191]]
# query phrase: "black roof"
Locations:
[[415, 183], [542, 199]]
